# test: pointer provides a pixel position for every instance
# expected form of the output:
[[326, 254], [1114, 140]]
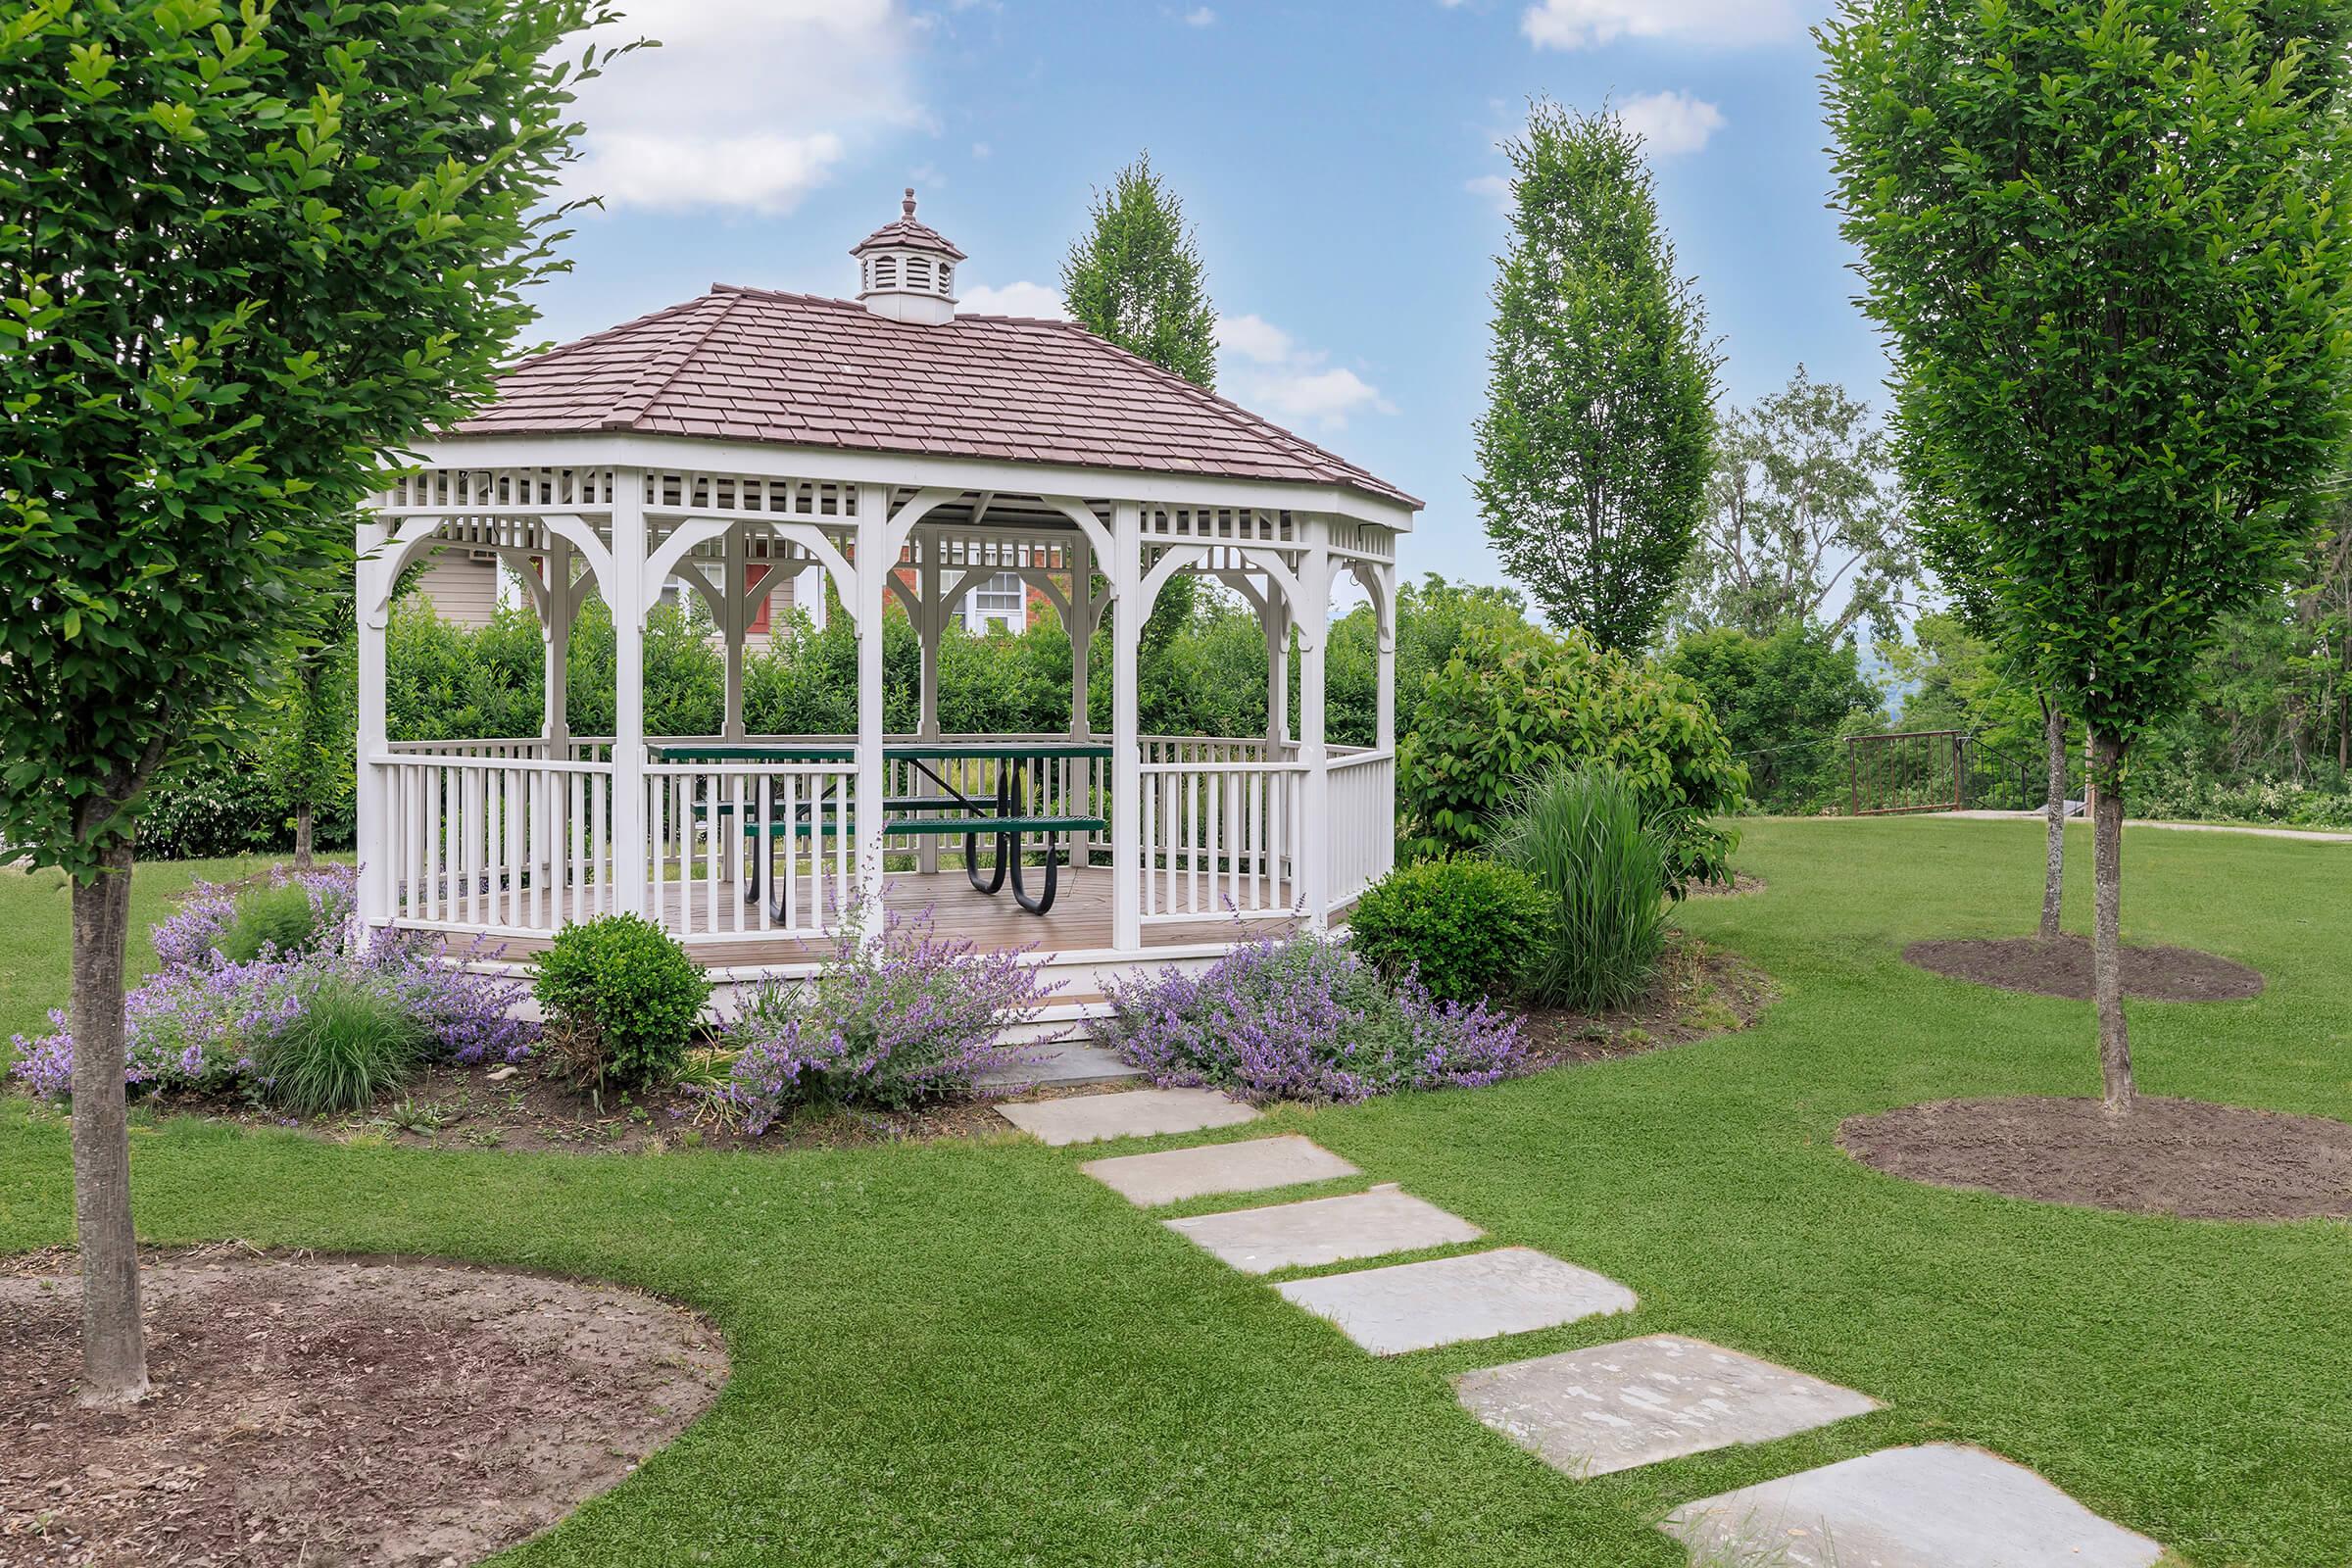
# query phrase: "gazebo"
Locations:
[[897, 447]]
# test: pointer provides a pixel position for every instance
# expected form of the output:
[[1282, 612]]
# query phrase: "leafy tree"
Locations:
[[244, 253], [1784, 701], [312, 737], [1802, 506], [2104, 239], [1593, 449], [1135, 279]]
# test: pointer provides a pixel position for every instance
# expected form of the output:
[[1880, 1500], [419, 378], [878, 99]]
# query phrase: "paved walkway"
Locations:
[[2251, 830], [1608, 1408]]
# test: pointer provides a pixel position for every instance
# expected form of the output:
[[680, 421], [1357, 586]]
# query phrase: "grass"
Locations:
[[968, 1353]]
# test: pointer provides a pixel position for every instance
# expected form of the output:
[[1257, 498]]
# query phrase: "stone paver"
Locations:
[[1636, 1401], [1442, 1300], [1939, 1506], [1133, 1113], [1068, 1064], [1176, 1174], [1324, 1230]]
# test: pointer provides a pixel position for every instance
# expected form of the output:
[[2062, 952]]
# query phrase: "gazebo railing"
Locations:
[[1362, 838], [1221, 838], [746, 851], [502, 844]]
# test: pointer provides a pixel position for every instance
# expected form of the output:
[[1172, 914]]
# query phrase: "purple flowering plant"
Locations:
[[1304, 1017], [912, 1017], [203, 1023]]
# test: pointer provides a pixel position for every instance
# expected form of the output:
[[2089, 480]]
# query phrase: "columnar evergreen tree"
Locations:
[[2106, 240], [1594, 452], [1136, 277], [245, 251]]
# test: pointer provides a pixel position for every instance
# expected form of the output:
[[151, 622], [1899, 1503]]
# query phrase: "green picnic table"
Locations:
[[1009, 822]]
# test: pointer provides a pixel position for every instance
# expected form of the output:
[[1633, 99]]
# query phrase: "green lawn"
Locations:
[[970, 1353]]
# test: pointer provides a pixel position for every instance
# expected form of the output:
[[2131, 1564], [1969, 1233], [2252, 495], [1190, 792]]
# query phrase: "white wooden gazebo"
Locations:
[[749, 437]]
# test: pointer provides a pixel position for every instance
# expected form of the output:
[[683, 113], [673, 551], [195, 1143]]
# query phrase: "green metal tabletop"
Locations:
[[896, 752]]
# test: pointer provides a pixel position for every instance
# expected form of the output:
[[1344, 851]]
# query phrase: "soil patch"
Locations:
[[2062, 968], [2182, 1158], [1737, 885], [1700, 991], [313, 1411]]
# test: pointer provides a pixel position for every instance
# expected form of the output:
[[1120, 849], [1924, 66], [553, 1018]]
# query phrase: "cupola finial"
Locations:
[[907, 206]]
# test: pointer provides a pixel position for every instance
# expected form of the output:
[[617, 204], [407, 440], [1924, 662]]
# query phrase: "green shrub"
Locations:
[[1515, 703], [346, 1046], [1465, 925], [1581, 834], [283, 917], [625, 989]]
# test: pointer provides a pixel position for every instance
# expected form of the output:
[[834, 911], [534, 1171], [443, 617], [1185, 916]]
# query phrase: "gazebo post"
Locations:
[[1127, 760], [1314, 628], [1278, 669], [1384, 625], [556, 724], [734, 626], [630, 598], [872, 577], [368, 800], [931, 627], [1081, 557]]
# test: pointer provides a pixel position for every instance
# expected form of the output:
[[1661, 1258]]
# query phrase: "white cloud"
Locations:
[[1670, 122], [1023, 298], [1254, 337], [747, 103], [1582, 23], [1200, 16], [1263, 369], [980, 149], [1496, 188]]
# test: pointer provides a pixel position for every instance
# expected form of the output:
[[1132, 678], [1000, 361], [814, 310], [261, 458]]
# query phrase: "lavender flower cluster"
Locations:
[[200, 1023], [1305, 1018], [912, 1017]]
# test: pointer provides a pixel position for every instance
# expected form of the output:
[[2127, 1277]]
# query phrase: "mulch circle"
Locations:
[[2187, 1158], [2062, 968], [311, 1410]]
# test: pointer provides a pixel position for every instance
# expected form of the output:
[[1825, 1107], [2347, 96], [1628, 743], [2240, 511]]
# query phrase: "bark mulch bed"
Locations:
[[2182, 1158], [2062, 968], [1701, 991], [321, 1412]]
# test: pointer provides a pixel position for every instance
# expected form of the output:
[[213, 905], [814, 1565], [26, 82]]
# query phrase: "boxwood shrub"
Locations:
[[1465, 926], [624, 996]]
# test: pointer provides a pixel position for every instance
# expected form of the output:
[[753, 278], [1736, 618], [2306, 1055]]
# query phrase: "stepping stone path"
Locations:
[[1324, 1230], [1146, 1180], [1134, 1114], [1939, 1506], [1637, 1402], [1413, 1306], [1593, 1411], [1066, 1063]]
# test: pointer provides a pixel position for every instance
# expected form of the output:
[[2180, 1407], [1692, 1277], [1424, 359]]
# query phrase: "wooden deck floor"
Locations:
[[1078, 923]]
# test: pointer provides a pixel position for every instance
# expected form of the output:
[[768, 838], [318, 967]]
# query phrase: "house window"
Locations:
[[1000, 598]]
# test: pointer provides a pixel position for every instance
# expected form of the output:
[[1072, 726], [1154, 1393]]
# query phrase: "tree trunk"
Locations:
[[306, 821], [2106, 940], [2053, 875], [113, 1348]]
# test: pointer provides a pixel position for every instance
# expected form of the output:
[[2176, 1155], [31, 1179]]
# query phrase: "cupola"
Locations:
[[907, 271]]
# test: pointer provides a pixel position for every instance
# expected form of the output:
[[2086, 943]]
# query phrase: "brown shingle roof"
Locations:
[[799, 370]]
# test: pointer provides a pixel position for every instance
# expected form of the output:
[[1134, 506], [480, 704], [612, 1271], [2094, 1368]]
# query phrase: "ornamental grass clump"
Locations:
[[1581, 835], [1305, 1018], [347, 1043], [912, 1017]]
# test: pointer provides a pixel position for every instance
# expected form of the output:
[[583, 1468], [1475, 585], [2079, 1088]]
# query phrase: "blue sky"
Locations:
[[1339, 162]]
